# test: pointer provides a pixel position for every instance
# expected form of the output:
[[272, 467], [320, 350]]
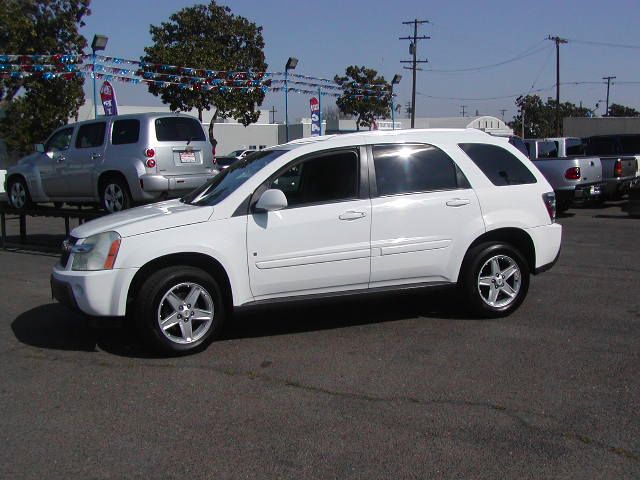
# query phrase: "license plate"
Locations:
[[188, 157], [594, 190]]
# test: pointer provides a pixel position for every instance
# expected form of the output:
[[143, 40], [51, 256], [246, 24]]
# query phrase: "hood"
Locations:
[[145, 219], [31, 158]]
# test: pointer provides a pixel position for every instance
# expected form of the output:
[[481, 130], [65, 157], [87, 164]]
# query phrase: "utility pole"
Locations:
[[408, 109], [273, 112], [464, 109], [558, 41], [413, 50], [608, 79], [503, 111]]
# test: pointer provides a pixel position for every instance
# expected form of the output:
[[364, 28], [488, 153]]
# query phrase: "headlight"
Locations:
[[97, 252]]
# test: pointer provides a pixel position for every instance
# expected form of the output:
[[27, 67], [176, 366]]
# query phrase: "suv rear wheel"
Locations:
[[115, 195], [495, 279], [179, 310], [18, 194]]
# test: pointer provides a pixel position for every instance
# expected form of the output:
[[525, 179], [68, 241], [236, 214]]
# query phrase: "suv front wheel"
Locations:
[[495, 279], [18, 194], [179, 310]]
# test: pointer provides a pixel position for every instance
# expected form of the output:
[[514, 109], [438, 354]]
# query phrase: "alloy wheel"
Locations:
[[185, 313], [18, 195], [499, 281], [113, 197]]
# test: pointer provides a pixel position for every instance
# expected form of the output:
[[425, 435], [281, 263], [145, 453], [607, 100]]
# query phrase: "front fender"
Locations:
[[222, 240]]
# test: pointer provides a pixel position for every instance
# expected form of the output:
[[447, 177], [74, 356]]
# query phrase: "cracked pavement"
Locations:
[[403, 386]]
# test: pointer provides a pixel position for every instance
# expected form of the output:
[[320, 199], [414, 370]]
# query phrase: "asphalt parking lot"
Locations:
[[405, 386]]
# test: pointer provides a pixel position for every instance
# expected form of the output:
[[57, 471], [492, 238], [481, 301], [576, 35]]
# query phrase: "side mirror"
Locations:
[[271, 200], [39, 147]]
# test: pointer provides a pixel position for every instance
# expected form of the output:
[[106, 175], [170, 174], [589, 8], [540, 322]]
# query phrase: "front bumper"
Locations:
[[97, 294]]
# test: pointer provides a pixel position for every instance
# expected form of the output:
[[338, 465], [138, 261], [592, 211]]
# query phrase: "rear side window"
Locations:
[[90, 135], [499, 165], [414, 168], [179, 129], [125, 131]]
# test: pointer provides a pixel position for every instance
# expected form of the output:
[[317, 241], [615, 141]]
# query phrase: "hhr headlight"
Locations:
[[97, 252]]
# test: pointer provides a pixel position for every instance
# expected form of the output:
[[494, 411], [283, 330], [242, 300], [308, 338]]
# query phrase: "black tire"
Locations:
[[114, 194], [152, 304], [18, 194], [478, 297]]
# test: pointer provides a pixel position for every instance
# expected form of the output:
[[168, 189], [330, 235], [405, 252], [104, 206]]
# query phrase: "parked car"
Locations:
[[242, 153], [116, 161], [620, 157], [574, 178], [335, 215]]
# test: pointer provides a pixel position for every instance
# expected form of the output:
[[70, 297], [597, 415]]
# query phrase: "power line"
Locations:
[[603, 44], [525, 54]]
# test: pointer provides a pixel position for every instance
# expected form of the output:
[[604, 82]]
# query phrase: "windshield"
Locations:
[[225, 183]]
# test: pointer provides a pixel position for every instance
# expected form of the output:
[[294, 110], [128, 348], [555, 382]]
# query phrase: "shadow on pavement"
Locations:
[[54, 327]]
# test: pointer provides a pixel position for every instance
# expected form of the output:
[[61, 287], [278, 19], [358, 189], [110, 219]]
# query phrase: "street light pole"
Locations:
[[99, 43], [291, 64], [395, 81]]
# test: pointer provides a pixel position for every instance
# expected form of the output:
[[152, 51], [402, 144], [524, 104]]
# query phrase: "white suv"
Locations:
[[342, 214]]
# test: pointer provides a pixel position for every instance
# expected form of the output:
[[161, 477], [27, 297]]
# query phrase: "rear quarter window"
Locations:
[[125, 131], [499, 165], [179, 129]]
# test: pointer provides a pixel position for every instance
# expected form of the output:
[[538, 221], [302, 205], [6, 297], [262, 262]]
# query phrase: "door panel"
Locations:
[[418, 238], [83, 159], [51, 164], [309, 249]]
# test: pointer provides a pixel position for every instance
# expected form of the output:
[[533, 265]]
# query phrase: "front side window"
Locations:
[[179, 129], [498, 164], [328, 178], [414, 168], [125, 132], [91, 135], [60, 141]]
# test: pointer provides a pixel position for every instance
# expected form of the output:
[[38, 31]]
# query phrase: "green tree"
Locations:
[[616, 110], [540, 117], [361, 101], [34, 106], [209, 37]]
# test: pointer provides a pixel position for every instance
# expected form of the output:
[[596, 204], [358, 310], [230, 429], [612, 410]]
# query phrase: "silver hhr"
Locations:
[[116, 161]]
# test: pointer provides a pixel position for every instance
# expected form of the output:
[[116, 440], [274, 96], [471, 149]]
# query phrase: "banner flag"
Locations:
[[108, 97]]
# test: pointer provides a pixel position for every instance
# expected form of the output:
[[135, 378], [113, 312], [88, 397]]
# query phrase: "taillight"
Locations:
[[572, 173], [151, 163], [617, 169], [150, 152], [549, 200]]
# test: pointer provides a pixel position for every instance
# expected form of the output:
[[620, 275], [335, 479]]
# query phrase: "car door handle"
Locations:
[[458, 202], [96, 155], [352, 215]]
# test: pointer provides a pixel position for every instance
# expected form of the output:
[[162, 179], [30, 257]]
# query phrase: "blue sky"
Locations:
[[328, 36]]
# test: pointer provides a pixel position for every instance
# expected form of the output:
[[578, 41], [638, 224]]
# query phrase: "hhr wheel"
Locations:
[[179, 310], [19, 194], [495, 279], [115, 195]]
